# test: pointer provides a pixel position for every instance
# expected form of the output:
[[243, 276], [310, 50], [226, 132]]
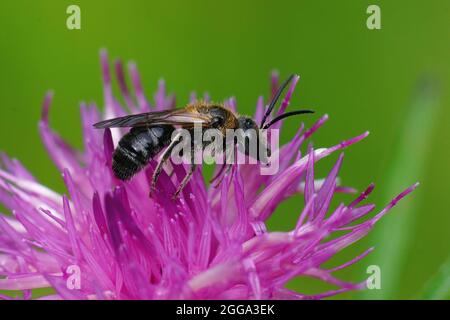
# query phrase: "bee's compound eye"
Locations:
[[246, 123], [249, 124]]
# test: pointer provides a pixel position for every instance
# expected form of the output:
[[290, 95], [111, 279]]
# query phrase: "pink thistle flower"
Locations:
[[211, 243]]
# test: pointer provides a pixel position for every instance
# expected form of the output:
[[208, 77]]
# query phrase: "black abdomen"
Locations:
[[137, 147]]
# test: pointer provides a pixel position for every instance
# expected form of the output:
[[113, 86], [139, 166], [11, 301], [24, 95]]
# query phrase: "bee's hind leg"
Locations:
[[185, 180], [165, 156], [187, 177], [222, 172]]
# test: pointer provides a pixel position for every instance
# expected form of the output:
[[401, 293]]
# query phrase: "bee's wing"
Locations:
[[179, 117]]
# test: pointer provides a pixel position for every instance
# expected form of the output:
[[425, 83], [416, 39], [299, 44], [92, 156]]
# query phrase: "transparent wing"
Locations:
[[179, 117]]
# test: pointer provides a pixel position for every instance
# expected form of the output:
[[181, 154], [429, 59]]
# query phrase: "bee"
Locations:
[[151, 133]]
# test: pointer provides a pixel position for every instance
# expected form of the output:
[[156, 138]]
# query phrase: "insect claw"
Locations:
[[217, 184], [176, 194], [152, 191]]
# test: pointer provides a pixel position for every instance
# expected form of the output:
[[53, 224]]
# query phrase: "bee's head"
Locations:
[[252, 134]]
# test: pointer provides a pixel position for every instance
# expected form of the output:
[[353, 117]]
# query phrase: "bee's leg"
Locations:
[[186, 179], [229, 166], [165, 156], [219, 173], [188, 175], [223, 172], [218, 179]]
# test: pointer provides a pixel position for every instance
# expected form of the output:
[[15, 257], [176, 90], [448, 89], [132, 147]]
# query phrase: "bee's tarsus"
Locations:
[[175, 195], [152, 192]]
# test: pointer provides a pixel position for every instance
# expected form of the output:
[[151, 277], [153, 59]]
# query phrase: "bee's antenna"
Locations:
[[285, 115], [275, 99]]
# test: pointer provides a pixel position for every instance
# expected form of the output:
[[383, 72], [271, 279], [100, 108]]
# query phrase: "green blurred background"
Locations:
[[394, 82]]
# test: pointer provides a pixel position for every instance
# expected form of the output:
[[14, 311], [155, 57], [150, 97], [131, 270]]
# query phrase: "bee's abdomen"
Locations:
[[137, 147]]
